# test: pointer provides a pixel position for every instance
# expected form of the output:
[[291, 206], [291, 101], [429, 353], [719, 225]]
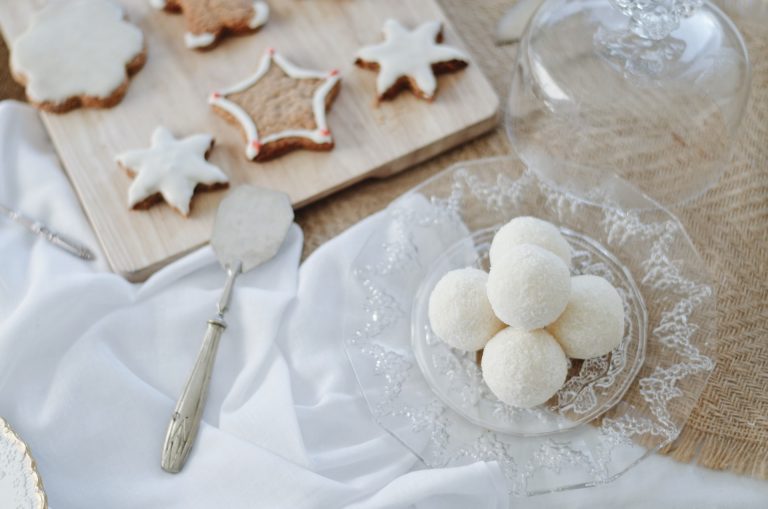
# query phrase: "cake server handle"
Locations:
[[185, 421], [182, 430]]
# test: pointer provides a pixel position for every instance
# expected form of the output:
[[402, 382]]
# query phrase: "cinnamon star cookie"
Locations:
[[280, 108], [171, 170], [208, 20], [410, 59]]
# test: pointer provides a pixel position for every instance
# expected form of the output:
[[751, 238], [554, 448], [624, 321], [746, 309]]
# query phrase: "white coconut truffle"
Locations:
[[524, 368], [529, 230], [459, 311], [593, 321], [528, 287]]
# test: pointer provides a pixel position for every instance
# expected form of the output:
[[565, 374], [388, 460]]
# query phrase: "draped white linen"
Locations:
[[90, 368]]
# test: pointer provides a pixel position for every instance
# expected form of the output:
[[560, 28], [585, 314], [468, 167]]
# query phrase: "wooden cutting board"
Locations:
[[172, 90]]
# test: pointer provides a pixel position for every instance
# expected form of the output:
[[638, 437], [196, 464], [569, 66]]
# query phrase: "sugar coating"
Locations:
[[459, 310], [593, 321], [530, 230], [528, 287], [524, 368]]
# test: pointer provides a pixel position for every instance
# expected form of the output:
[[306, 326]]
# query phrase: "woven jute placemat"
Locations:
[[728, 428]]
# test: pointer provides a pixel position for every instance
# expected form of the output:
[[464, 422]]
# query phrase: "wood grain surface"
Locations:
[[172, 89]]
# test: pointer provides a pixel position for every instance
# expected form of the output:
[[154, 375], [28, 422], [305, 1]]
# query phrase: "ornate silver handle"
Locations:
[[67, 244], [182, 429]]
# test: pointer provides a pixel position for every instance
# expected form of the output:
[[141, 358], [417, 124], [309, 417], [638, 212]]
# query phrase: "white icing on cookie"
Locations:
[[321, 133], [74, 49], [409, 53], [172, 168], [260, 17], [260, 14], [199, 40], [158, 4]]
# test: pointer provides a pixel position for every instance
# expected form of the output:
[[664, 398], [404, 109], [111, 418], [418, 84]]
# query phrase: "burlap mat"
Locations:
[[728, 429]]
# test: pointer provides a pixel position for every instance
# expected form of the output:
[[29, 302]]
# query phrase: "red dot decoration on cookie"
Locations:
[[255, 144], [215, 95], [325, 132], [334, 72], [271, 50]]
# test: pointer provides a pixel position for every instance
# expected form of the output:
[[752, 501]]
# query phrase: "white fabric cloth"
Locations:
[[90, 367]]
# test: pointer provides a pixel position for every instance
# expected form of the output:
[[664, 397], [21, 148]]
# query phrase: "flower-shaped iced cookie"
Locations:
[[77, 54]]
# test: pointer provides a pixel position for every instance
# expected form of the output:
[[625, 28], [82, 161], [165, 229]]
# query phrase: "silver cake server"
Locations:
[[57, 239], [249, 229]]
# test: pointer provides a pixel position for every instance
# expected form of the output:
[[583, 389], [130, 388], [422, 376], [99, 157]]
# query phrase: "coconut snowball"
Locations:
[[593, 321], [459, 310], [529, 230], [528, 287], [524, 368]]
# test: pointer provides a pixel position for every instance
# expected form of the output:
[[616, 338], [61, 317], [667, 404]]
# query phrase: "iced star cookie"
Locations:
[[78, 53], [410, 59], [280, 108], [208, 20], [171, 170]]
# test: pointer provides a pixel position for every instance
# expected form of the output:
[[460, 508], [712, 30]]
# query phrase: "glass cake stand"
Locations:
[[652, 90], [613, 411]]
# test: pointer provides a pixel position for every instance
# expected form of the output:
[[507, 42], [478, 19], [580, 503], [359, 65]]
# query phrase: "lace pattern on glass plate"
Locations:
[[421, 225]]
